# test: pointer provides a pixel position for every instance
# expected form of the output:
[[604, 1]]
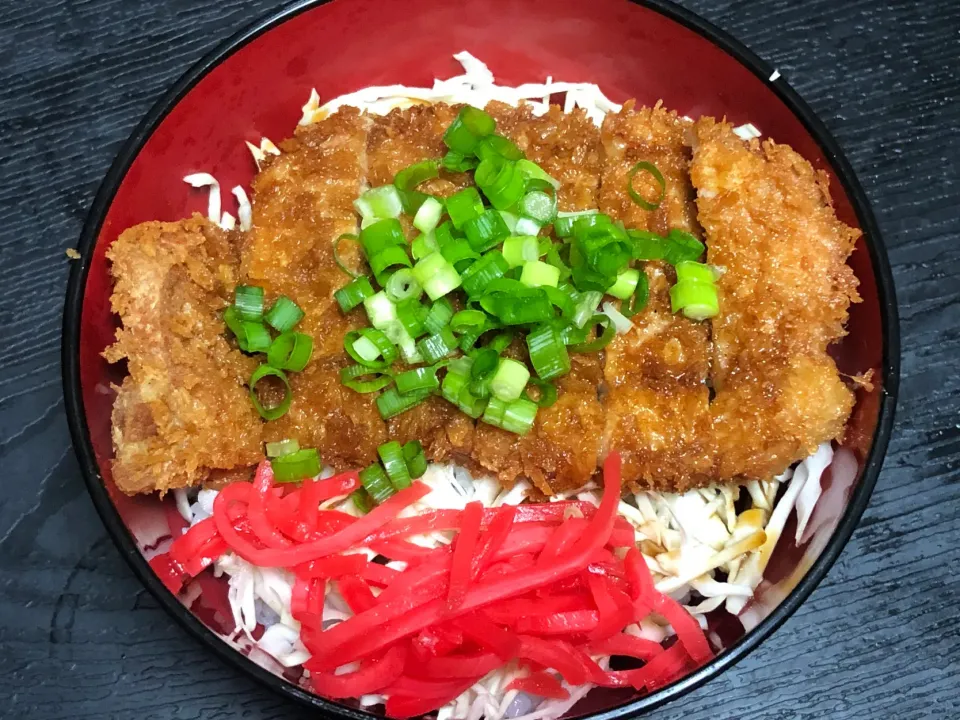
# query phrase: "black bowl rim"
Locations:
[[127, 545]]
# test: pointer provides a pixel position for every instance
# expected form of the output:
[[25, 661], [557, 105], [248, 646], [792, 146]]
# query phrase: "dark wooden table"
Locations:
[[79, 637]]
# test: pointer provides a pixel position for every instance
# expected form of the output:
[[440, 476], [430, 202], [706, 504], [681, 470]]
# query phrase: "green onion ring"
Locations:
[[547, 392], [657, 175], [351, 376], [600, 342], [279, 410]]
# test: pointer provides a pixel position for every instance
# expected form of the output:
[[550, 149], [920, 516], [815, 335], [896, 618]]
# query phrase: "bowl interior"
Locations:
[[628, 49]]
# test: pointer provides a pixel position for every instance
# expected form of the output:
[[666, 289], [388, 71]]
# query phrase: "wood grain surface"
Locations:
[[80, 638]]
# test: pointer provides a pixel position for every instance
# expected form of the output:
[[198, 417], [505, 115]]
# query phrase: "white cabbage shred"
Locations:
[[685, 539]]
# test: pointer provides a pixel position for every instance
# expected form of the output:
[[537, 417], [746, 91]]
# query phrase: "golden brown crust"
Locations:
[[183, 416], [303, 202], [783, 299], [561, 450], [565, 145], [183, 410], [407, 136], [657, 402]]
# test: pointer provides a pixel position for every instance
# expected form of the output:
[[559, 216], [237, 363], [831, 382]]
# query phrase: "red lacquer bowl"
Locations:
[[253, 86]]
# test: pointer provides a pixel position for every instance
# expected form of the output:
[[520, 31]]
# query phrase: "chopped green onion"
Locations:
[[458, 162], [457, 252], [539, 206], [437, 346], [415, 458], [548, 353], [501, 341], [553, 258], [509, 219], [375, 481], [388, 258], [468, 127], [248, 300], [516, 416], [640, 296], [625, 285], [281, 408], [456, 391], [690, 270], [538, 274], [547, 393], [423, 245], [601, 341], [698, 300], [281, 448], [362, 500], [681, 246], [391, 455], [477, 121], [290, 351], [391, 403], [651, 169], [380, 235], [421, 378], [412, 315], [561, 300], [531, 171], [501, 182], [252, 337], [380, 202], [413, 175], [463, 206], [586, 306], [647, 245], [486, 231], [509, 380], [353, 293], [408, 348], [438, 316], [519, 249], [336, 254], [296, 466], [381, 310], [428, 216], [500, 146], [477, 277], [485, 363], [412, 200], [402, 285], [527, 226], [362, 379], [436, 275], [284, 314], [467, 320], [368, 344], [563, 224]]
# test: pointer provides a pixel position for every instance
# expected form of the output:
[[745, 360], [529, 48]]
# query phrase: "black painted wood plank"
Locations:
[[79, 637]]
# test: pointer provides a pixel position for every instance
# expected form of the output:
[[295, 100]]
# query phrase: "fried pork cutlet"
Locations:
[[784, 298], [183, 412], [657, 402], [560, 452], [302, 203], [396, 141]]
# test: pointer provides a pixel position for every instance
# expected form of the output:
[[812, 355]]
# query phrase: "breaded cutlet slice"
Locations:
[[784, 297], [656, 401], [302, 203], [396, 141], [183, 411], [561, 450]]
